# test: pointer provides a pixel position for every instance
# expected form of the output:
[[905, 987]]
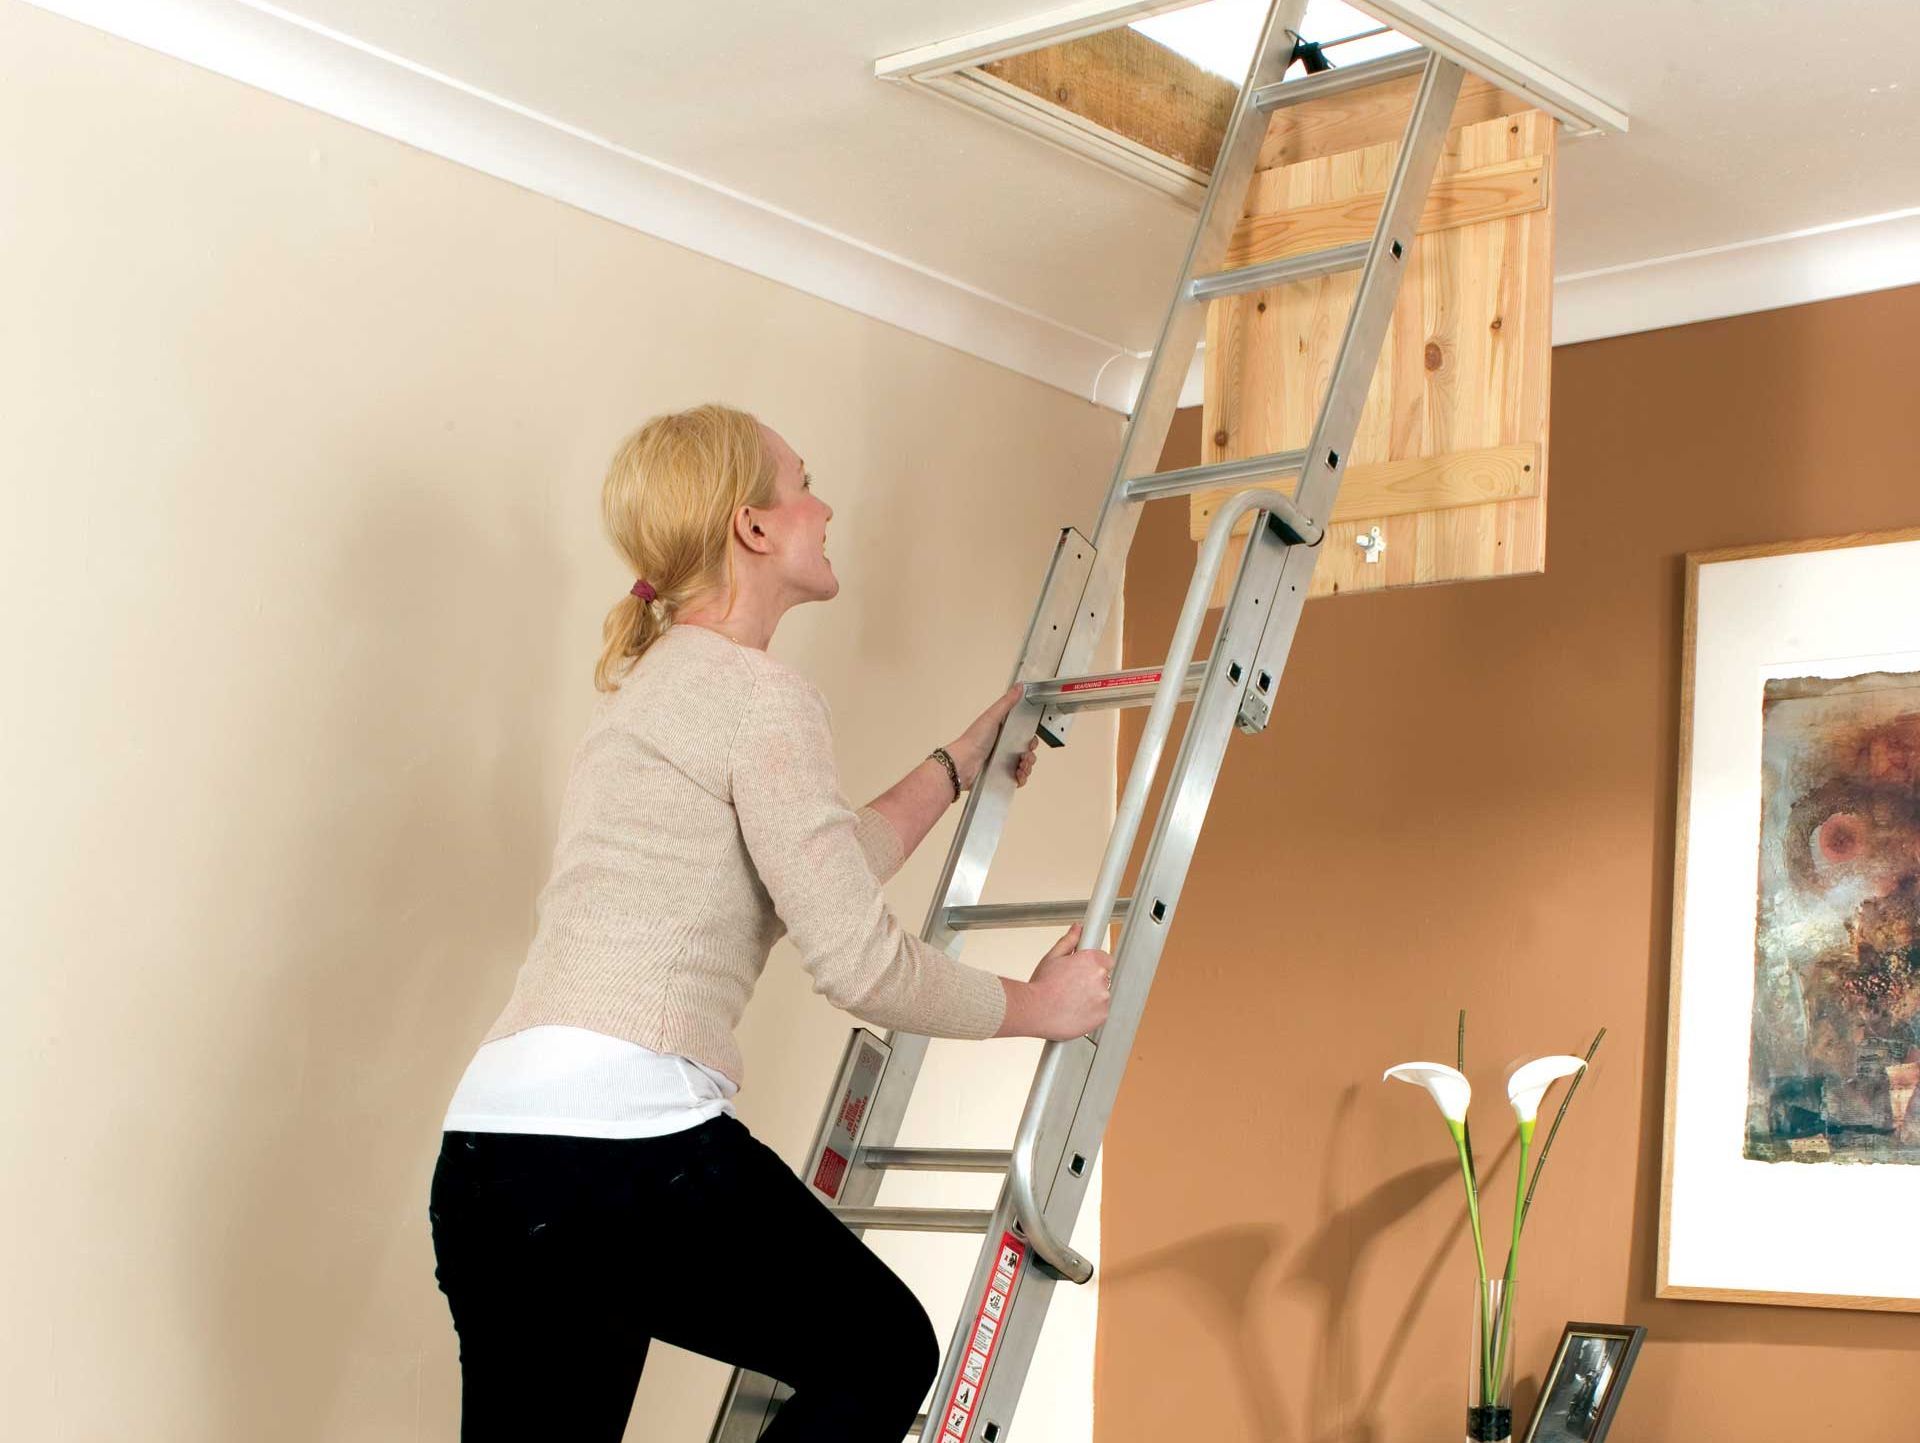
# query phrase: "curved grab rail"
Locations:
[[1051, 1248]]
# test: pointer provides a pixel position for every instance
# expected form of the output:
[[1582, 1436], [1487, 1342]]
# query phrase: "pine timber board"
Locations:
[[1136, 87], [1464, 368], [1403, 488], [1373, 115], [1466, 197]]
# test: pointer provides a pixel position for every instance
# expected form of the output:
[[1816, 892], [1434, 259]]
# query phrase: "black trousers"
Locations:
[[562, 1258]]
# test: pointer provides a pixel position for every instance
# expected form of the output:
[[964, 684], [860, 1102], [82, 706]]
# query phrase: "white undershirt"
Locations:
[[580, 1083]]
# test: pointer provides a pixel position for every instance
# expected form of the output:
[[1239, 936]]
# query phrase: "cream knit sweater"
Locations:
[[702, 820]]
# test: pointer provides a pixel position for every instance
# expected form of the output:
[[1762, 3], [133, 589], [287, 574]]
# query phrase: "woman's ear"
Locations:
[[749, 532]]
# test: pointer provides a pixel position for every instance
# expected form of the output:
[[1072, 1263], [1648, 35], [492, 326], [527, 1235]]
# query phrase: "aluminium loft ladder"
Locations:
[[1025, 1252]]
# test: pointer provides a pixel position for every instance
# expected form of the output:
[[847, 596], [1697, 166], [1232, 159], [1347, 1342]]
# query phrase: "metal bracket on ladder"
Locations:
[[1025, 1249]]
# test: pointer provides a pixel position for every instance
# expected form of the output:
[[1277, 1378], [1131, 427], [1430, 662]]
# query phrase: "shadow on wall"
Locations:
[[1236, 1276], [404, 871]]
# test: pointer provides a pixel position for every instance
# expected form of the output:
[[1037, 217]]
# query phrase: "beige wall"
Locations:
[[302, 581], [1466, 798]]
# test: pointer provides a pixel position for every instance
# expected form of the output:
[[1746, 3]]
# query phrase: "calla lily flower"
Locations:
[[1530, 1081], [1447, 1086], [1451, 1092]]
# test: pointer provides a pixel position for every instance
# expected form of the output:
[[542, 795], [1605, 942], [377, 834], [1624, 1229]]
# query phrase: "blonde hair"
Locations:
[[668, 503]]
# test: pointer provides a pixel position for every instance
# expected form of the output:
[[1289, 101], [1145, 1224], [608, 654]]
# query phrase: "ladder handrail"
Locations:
[[1125, 832]]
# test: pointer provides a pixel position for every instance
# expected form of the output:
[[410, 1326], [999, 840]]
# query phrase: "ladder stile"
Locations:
[[998, 1376], [1180, 334], [1026, 1248]]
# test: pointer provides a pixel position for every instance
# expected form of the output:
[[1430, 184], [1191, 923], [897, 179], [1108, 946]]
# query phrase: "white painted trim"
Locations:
[[1016, 37], [290, 56], [1130, 372], [1871, 253], [1036, 115]]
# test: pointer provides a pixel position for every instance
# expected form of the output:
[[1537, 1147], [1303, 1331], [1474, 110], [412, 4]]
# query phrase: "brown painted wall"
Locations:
[[1466, 798]]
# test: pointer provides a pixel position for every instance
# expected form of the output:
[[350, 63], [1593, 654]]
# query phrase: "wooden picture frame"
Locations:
[[1575, 1405], [1743, 1218]]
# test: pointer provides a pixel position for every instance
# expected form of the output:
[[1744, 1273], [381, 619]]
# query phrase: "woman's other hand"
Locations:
[[975, 745], [1068, 997]]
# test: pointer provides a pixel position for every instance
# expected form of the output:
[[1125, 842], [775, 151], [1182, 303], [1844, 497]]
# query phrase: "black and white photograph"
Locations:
[[1584, 1385]]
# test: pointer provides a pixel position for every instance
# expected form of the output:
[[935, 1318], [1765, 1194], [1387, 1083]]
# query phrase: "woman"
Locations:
[[594, 1189]]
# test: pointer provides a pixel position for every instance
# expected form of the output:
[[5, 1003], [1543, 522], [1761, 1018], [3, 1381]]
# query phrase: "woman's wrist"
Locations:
[[952, 770], [1019, 1020]]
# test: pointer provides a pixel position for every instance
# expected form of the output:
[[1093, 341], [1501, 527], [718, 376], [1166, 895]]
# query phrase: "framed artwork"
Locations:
[[1792, 1159], [1584, 1385]]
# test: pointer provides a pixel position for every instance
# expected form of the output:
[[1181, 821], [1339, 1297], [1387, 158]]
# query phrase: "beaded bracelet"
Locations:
[[939, 754]]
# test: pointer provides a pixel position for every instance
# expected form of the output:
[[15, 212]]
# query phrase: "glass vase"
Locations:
[[1490, 1367]]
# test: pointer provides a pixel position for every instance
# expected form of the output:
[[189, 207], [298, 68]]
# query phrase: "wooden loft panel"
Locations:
[[1123, 82], [1369, 116], [1450, 460]]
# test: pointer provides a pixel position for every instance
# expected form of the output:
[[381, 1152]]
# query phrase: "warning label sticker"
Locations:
[[1101, 683], [986, 1327], [860, 1073], [827, 1176]]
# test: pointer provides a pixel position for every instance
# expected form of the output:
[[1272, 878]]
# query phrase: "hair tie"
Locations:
[[650, 599]]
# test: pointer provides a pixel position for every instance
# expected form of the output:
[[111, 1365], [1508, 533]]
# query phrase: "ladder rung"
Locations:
[[918, 1220], [1333, 82], [1027, 914], [1189, 479], [1108, 690], [1308, 267], [937, 1159]]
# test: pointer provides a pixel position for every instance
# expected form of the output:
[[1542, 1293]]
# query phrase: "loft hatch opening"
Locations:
[[1146, 89], [1168, 81]]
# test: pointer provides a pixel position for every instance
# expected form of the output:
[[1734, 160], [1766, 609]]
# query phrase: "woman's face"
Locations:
[[796, 527]]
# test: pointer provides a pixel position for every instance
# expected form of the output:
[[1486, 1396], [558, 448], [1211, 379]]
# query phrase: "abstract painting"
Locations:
[[1792, 1146], [1836, 1002]]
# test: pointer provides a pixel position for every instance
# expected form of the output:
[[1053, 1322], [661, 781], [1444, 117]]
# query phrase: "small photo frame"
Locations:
[[1584, 1385]]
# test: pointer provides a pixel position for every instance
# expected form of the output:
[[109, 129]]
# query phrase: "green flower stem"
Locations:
[[1459, 1132], [1513, 1251]]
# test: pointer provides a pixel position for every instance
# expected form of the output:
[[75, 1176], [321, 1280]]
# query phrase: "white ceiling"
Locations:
[[1750, 118], [777, 99]]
